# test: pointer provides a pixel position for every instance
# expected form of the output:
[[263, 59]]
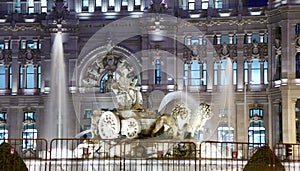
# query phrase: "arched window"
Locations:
[[2, 77], [195, 73], [266, 72], [204, 74], [255, 71], [223, 72], [234, 73], [30, 76], [256, 133], [246, 71], [29, 133], [30, 44], [255, 37], [215, 73], [224, 39], [195, 40], [298, 65], [157, 71]]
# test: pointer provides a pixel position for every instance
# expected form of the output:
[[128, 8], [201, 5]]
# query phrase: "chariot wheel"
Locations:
[[133, 128], [109, 125]]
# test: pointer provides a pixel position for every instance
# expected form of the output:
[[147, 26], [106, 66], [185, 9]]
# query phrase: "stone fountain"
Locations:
[[131, 121]]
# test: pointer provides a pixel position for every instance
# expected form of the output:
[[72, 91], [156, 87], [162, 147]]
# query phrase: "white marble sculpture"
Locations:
[[127, 94]]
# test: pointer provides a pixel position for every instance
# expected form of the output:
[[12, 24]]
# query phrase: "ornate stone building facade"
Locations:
[[242, 58]]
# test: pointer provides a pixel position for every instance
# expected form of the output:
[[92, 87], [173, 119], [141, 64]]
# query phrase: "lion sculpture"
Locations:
[[199, 118], [194, 121], [170, 120]]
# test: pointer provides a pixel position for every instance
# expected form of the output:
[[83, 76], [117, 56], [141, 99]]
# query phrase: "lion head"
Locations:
[[205, 111], [180, 110]]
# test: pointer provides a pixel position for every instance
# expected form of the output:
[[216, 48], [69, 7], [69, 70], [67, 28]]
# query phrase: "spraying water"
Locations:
[[57, 110]]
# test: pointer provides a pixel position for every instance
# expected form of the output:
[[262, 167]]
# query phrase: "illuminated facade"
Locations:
[[260, 38]]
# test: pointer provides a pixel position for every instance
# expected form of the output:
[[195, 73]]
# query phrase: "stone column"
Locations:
[[118, 5], [91, 5], [189, 81], [277, 120], [200, 39], [262, 75], [249, 41], [7, 77], [261, 36], [249, 72], [130, 5], [24, 76], [35, 76], [210, 63], [143, 5], [270, 122], [218, 39], [104, 6], [230, 38], [240, 62], [78, 6], [15, 67], [288, 116]]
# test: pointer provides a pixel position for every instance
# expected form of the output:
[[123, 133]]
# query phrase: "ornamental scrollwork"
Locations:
[[95, 70], [5, 56], [225, 50], [29, 56]]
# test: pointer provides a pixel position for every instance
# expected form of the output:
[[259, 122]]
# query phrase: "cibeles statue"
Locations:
[[127, 94]]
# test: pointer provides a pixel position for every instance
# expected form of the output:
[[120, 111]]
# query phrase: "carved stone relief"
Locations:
[[5, 56], [29, 56], [225, 50], [277, 47], [255, 49], [109, 64]]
